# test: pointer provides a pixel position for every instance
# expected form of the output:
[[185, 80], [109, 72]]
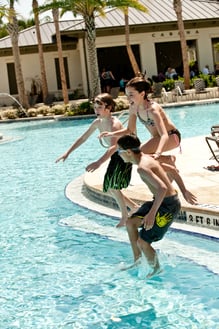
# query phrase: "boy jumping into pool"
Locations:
[[118, 173], [154, 217]]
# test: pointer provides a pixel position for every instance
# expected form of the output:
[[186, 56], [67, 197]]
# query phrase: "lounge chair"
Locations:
[[217, 82], [214, 138], [199, 85], [179, 89], [157, 89], [159, 93], [114, 92]]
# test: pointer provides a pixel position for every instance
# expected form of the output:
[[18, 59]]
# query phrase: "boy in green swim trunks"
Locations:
[[118, 173], [154, 217]]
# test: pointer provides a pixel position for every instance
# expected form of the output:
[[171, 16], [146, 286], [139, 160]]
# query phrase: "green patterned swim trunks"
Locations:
[[118, 174]]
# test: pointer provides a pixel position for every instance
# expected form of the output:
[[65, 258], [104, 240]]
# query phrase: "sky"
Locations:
[[24, 8]]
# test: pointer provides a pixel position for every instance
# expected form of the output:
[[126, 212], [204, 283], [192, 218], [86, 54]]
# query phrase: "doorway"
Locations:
[[116, 60]]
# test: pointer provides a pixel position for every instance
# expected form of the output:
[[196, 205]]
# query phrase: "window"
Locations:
[[12, 79], [58, 76]]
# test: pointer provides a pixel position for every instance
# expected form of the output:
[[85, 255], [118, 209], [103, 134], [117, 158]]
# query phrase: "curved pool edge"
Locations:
[[80, 193]]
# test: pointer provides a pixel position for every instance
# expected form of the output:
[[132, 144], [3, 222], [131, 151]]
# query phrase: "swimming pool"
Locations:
[[53, 276]]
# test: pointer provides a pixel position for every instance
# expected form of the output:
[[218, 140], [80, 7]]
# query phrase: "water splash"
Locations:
[[4, 139], [15, 100]]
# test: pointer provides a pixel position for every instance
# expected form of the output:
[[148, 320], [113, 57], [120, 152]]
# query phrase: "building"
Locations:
[[154, 37]]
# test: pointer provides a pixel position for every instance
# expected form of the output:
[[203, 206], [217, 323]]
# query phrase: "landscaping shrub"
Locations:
[[32, 112], [43, 110], [10, 114]]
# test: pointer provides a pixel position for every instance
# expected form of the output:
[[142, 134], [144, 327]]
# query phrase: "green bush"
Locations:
[[58, 109], [168, 84], [210, 80]]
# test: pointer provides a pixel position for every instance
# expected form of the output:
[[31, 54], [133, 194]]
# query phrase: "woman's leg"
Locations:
[[108, 89], [151, 145]]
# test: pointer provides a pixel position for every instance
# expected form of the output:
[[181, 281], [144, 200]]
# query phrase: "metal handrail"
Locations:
[[122, 114]]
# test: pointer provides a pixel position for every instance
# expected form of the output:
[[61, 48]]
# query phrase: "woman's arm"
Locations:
[[161, 129], [173, 173], [131, 128], [112, 76]]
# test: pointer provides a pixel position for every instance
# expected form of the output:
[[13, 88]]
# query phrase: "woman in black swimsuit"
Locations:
[[164, 135]]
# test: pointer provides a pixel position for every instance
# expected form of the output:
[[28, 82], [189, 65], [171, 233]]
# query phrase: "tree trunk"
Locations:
[[92, 57], [177, 4], [131, 55], [13, 32], [55, 13], [40, 50]]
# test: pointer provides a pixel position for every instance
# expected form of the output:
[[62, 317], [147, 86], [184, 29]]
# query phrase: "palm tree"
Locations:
[[88, 10], [134, 4], [55, 14], [177, 5], [40, 50], [13, 30]]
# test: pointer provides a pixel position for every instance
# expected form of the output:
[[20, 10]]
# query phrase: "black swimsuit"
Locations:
[[150, 122]]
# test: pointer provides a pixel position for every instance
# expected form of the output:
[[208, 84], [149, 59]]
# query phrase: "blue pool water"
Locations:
[[56, 276]]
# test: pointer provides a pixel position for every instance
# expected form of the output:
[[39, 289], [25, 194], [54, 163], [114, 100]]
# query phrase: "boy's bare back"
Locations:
[[153, 174]]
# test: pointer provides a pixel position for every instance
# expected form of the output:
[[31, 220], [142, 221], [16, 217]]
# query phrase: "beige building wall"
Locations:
[[31, 69], [147, 43], [76, 58], [4, 88]]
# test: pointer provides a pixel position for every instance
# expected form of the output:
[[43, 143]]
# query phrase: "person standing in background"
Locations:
[[107, 79]]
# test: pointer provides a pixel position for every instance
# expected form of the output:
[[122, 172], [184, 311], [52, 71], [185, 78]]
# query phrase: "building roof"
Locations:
[[158, 12], [28, 36]]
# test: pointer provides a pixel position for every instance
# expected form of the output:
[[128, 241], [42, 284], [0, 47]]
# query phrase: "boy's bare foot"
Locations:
[[135, 264], [121, 223], [156, 270]]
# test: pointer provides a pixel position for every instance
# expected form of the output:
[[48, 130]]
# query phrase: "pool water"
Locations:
[[191, 120], [57, 276]]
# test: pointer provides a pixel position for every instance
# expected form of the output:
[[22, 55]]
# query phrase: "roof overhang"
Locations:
[[145, 28], [34, 49]]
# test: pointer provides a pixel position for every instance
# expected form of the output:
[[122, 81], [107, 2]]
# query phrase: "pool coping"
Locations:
[[78, 192]]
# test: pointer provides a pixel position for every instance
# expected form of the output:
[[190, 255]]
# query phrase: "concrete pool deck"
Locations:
[[202, 218]]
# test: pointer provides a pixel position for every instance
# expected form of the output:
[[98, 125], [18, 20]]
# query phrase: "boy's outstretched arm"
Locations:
[[79, 141], [95, 165]]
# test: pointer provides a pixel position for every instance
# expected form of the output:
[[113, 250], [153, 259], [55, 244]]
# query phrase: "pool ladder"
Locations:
[[123, 116]]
